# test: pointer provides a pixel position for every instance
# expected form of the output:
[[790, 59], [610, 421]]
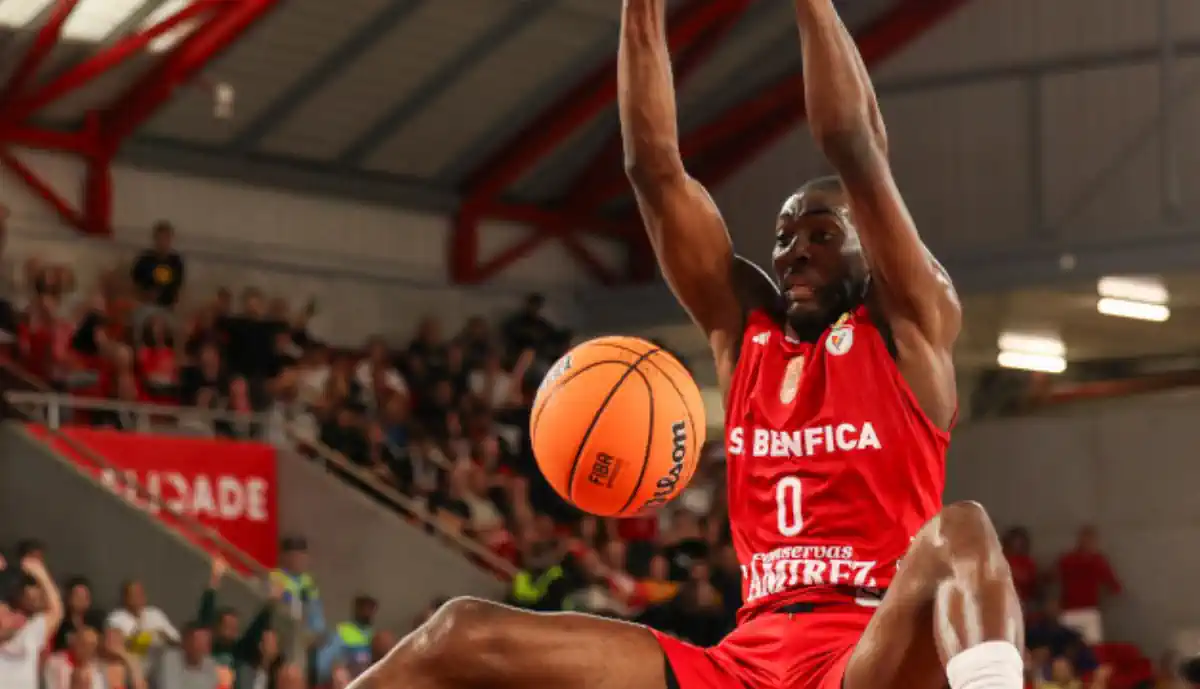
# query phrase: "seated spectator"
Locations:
[[122, 670], [79, 613], [158, 274], [343, 432], [486, 522], [62, 668], [347, 654], [239, 421], [684, 544], [427, 351], [1026, 577], [288, 420], [202, 330], [492, 384], [208, 373], [289, 677], [146, 630], [377, 366], [449, 506], [1044, 630], [191, 665], [657, 587], [156, 360], [313, 371], [43, 339]]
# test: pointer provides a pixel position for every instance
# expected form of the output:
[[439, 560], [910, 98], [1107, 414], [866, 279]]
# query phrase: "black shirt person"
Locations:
[[158, 271]]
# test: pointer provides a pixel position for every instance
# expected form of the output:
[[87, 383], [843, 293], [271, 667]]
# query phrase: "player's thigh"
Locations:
[[899, 647], [475, 643]]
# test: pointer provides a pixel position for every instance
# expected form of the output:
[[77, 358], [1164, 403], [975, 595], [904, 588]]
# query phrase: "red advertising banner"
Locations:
[[226, 485]]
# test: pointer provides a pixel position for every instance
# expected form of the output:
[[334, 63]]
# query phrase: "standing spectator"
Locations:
[[158, 274], [232, 647], [251, 348], [529, 329], [146, 630], [63, 667], [191, 666], [32, 627], [299, 589], [1024, 569], [79, 612], [261, 670], [1084, 574], [348, 652]]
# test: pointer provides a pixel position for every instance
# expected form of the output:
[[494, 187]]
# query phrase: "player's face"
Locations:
[[817, 259]]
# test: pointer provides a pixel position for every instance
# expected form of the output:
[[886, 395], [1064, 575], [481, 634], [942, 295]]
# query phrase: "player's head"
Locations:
[[818, 258]]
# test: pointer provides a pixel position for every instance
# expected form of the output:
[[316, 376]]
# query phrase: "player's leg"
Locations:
[[472, 643], [951, 611]]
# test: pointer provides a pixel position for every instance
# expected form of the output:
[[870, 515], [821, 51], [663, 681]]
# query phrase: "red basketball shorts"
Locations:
[[806, 650]]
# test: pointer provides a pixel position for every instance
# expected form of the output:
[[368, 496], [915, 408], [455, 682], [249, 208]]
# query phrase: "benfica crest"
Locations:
[[791, 380], [841, 336]]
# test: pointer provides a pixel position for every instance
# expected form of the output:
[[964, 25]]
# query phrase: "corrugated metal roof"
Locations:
[[420, 91]]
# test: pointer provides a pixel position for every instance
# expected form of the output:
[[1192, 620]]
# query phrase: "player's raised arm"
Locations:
[[685, 227], [843, 114]]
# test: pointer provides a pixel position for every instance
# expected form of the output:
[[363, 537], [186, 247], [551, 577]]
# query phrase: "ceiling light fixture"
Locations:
[[1030, 352], [1137, 310]]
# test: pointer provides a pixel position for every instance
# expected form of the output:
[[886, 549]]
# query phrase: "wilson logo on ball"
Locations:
[[665, 488]]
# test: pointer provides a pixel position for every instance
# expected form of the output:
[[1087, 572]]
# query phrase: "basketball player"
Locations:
[[840, 394]]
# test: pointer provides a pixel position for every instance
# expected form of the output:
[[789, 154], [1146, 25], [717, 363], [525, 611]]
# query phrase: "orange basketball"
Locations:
[[617, 426]]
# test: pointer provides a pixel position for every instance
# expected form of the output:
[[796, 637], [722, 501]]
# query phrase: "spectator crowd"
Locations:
[[441, 420]]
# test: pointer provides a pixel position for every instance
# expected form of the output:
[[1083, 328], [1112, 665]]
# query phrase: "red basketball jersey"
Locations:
[[832, 466]]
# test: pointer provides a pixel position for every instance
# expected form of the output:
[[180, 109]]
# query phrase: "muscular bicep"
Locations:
[[910, 284], [694, 251]]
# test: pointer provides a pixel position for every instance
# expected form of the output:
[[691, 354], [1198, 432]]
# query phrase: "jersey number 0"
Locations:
[[789, 499]]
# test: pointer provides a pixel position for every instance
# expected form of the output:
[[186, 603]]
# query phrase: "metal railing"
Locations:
[[55, 410]]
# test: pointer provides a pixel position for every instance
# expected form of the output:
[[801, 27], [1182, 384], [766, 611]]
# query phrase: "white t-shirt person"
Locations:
[[19, 655], [145, 633]]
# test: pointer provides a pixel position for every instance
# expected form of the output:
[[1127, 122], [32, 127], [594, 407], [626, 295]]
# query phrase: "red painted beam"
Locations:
[[144, 98], [579, 198], [729, 142], [575, 110], [43, 45], [105, 61], [749, 129], [43, 190], [581, 105], [544, 226], [81, 143]]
